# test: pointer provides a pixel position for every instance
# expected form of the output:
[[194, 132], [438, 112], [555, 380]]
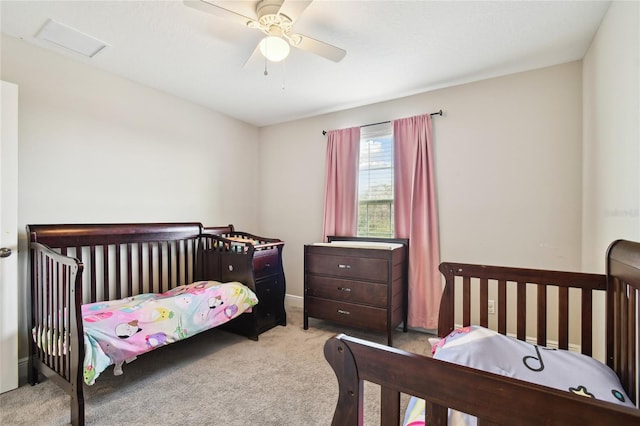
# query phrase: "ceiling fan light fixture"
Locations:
[[274, 48]]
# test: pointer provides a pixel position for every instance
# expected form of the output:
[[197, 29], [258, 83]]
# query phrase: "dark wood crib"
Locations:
[[492, 398], [71, 265]]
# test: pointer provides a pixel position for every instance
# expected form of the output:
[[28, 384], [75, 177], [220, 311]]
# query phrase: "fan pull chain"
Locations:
[[266, 72]]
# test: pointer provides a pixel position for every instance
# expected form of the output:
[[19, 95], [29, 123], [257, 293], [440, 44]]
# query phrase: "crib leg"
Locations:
[[77, 409], [32, 373]]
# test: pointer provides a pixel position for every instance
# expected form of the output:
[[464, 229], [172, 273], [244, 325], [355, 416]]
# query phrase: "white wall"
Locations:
[[508, 170], [94, 147], [611, 123]]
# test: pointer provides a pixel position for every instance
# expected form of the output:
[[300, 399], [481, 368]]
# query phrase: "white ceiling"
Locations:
[[394, 48]]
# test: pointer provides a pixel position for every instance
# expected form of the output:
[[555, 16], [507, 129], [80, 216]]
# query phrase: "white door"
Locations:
[[9, 238]]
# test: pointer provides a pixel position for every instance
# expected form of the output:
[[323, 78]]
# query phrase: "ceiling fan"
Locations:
[[275, 18]]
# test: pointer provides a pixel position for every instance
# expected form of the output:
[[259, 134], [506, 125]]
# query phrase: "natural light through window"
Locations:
[[375, 182]]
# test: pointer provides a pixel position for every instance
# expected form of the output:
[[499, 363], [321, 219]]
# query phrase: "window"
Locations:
[[375, 182]]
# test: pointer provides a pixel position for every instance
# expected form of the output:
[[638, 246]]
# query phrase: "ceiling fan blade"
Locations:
[[294, 8], [320, 48], [221, 12], [254, 57]]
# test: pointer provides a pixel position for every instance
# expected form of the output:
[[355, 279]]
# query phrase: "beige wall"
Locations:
[[508, 160], [94, 147], [611, 127], [509, 157], [611, 172]]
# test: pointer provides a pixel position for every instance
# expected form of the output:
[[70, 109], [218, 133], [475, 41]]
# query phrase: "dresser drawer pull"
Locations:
[[343, 312], [345, 289], [341, 266], [267, 265]]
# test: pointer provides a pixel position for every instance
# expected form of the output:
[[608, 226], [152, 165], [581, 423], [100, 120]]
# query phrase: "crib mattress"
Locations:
[[487, 350], [119, 330]]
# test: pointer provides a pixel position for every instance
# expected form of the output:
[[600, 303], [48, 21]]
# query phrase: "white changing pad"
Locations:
[[361, 244]]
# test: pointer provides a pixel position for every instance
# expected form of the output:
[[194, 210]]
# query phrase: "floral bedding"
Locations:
[[487, 350], [117, 331]]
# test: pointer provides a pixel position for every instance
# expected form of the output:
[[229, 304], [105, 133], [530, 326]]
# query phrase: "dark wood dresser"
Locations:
[[257, 262], [350, 282]]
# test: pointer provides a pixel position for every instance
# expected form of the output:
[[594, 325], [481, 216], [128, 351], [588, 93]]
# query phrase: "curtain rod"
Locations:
[[324, 132]]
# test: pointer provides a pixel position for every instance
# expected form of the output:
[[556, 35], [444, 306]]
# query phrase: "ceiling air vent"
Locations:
[[70, 38]]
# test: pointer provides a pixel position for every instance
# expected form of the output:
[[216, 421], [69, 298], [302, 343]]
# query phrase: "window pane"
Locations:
[[375, 183]]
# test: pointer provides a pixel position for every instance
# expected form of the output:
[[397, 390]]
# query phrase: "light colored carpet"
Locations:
[[215, 378]]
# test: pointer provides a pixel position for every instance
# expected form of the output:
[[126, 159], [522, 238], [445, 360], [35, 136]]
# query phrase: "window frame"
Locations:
[[383, 133]]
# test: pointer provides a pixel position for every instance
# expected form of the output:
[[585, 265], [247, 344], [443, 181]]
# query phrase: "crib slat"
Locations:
[[542, 315], [118, 277], [150, 265], [105, 266], [178, 246], [61, 311], [93, 289], [160, 268], [522, 311], [140, 277], [502, 307], [563, 317], [436, 414], [169, 263], [466, 301], [128, 254], [586, 339], [484, 302], [188, 254], [389, 406]]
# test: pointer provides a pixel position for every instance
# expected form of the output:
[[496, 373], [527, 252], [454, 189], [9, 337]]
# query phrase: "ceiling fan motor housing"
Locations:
[[271, 22], [268, 7]]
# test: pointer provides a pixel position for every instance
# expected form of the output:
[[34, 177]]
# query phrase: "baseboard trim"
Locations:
[[23, 370], [294, 301]]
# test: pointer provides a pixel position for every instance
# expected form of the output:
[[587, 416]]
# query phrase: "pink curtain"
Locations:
[[340, 198], [416, 216]]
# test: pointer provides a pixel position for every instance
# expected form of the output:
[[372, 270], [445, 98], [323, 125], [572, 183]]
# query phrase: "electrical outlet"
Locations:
[[491, 306]]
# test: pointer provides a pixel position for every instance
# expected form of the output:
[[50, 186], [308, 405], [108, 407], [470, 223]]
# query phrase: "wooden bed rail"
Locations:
[[445, 385], [74, 235], [481, 275]]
